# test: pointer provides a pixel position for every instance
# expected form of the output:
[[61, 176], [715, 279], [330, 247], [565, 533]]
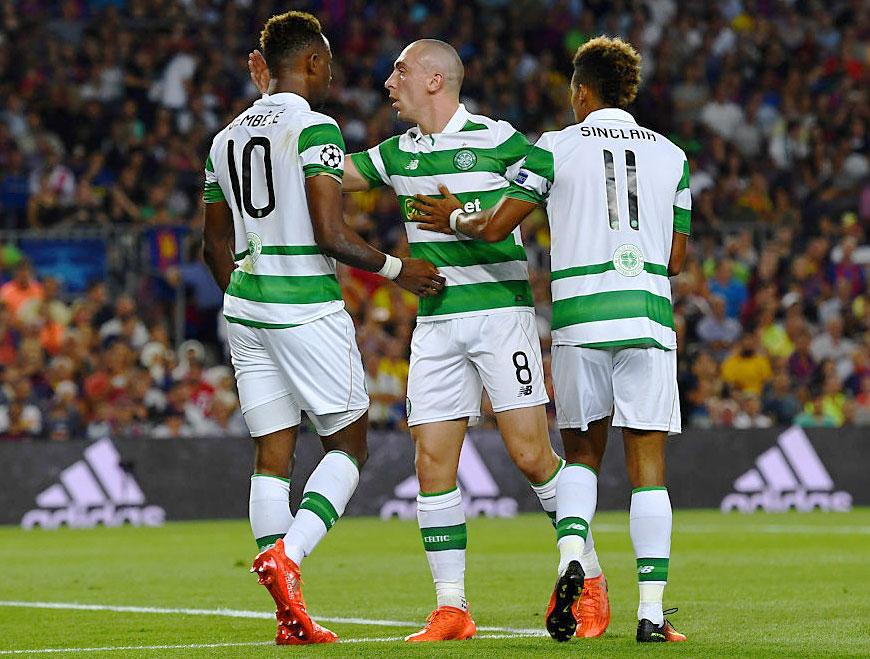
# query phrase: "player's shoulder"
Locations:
[[498, 130], [306, 118], [553, 139], [664, 144]]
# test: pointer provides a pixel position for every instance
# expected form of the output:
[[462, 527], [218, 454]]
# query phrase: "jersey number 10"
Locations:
[[631, 181], [243, 193]]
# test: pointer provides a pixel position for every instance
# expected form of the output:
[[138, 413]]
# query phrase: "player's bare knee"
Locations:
[[351, 440], [537, 465]]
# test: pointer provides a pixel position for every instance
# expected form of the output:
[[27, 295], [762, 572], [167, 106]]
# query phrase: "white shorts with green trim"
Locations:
[[454, 360], [315, 367], [637, 385]]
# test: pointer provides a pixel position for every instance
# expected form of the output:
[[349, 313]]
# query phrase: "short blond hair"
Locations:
[[611, 67]]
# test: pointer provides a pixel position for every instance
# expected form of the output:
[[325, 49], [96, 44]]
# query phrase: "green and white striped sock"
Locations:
[[269, 509], [326, 494], [546, 492], [576, 498], [650, 522], [442, 526]]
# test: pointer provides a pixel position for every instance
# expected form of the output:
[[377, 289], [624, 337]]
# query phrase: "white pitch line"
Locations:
[[197, 646], [238, 613], [767, 528]]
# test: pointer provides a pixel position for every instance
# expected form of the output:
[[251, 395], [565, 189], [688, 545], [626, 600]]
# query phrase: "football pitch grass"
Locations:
[[787, 585]]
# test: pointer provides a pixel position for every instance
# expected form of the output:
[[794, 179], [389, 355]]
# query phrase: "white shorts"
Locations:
[[453, 360], [314, 367], [638, 385]]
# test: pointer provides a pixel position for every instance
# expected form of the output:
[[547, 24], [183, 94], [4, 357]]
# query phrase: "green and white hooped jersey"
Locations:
[[258, 165], [615, 193], [475, 157]]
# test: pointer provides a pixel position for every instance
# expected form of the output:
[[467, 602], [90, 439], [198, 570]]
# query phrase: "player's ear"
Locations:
[[436, 82], [312, 62]]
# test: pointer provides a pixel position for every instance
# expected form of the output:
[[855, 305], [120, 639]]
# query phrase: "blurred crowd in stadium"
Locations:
[[107, 108]]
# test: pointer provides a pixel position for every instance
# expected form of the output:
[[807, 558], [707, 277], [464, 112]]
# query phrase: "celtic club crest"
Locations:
[[628, 260], [464, 160]]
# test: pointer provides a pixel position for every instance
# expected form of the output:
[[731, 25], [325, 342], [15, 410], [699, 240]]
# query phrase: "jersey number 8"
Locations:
[[242, 193]]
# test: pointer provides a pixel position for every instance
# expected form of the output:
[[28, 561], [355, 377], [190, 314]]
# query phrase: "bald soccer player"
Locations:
[[480, 333]]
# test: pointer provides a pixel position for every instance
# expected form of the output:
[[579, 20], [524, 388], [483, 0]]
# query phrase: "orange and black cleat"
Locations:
[[446, 623], [560, 620], [282, 579], [592, 610], [647, 632]]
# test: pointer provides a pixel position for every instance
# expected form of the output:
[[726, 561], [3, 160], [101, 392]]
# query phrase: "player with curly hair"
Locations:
[[617, 197], [273, 231]]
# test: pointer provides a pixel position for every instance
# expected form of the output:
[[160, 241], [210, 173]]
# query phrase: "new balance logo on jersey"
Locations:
[[481, 494], [92, 491], [787, 475], [525, 391], [411, 166]]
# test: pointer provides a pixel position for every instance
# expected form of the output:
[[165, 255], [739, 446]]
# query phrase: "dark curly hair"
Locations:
[[286, 34], [611, 67]]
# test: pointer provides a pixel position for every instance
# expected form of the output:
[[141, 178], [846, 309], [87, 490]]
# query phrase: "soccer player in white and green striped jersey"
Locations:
[[273, 230], [618, 202], [480, 333]]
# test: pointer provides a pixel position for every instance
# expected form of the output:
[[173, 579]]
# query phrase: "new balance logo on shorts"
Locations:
[[92, 491], [481, 494], [787, 475], [525, 391]]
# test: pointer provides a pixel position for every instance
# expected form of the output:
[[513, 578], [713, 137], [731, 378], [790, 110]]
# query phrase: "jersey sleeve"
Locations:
[[370, 166], [321, 150], [683, 204], [512, 148], [212, 190], [536, 172]]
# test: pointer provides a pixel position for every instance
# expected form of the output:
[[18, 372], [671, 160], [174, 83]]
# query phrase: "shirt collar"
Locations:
[[456, 123], [283, 98], [609, 114]]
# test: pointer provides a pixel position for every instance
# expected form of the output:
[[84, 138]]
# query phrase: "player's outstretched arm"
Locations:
[[445, 215], [338, 240], [218, 242]]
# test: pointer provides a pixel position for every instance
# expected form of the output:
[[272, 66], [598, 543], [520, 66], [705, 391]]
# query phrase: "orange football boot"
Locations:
[[446, 623], [282, 579], [592, 610]]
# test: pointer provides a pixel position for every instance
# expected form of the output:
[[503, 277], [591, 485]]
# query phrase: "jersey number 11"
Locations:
[[631, 181]]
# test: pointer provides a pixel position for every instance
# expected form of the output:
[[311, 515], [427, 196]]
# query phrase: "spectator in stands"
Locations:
[[124, 324], [729, 287], [22, 288], [716, 330], [801, 365], [746, 369], [834, 346]]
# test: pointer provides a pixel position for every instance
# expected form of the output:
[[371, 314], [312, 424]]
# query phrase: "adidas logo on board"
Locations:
[[92, 491], [788, 475]]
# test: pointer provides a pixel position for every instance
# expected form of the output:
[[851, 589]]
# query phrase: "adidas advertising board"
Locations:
[[788, 475], [94, 490], [44, 485]]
